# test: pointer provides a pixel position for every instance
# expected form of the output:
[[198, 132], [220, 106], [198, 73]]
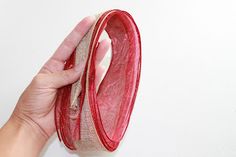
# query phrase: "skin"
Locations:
[[32, 121]]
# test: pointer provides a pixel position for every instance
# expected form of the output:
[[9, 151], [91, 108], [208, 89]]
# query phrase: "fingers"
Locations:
[[99, 75], [102, 49], [56, 62], [66, 77], [72, 40], [56, 77]]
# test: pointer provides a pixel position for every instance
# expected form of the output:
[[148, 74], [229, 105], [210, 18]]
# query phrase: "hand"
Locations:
[[32, 121], [36, 105]]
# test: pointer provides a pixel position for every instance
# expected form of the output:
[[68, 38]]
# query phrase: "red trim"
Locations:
[[68, 130]]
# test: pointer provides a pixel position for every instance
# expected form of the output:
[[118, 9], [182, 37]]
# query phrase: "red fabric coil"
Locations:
[[111, 106]]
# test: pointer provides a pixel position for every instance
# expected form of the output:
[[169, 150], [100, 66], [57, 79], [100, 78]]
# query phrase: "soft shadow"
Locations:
[[97, 154], [79, 154]]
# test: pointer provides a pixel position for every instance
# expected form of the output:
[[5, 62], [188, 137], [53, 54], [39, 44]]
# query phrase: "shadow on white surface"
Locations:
[[74, 153], [97, 154]]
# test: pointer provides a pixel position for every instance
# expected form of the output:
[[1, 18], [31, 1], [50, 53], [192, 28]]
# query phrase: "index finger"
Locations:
[[66, 48]]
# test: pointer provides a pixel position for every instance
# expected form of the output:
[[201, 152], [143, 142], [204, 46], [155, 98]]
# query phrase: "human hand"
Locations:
[[36, 105], [32, 121]]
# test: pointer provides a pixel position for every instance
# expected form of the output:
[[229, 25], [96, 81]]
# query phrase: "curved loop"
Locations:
[[102, 116]]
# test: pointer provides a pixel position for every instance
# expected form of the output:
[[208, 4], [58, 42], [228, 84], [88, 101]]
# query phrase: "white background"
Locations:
[[186, 104]]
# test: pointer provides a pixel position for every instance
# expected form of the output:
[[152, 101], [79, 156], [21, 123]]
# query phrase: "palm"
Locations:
[[40, 100]]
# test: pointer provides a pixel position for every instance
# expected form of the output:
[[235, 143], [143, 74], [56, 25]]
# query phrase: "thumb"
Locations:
[[66, 77]]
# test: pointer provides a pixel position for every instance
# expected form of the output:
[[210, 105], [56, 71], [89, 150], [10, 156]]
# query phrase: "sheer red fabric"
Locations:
[[99, 119]]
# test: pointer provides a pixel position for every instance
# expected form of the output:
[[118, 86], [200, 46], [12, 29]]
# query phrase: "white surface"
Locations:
[[186, 105]]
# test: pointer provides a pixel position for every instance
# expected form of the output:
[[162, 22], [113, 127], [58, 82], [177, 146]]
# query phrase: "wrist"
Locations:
[[27, 123], [21, 137]]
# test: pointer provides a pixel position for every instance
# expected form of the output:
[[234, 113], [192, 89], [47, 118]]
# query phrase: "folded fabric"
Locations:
[[87, 118]]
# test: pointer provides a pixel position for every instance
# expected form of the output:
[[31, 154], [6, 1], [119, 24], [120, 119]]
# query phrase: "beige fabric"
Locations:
[[89, 138]]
